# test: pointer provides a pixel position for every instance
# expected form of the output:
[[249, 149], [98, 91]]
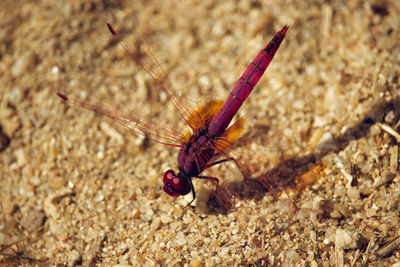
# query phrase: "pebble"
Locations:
[[326, 142], [74, 257], [390, 117], [292, 256], [23, 63], [166, 218], [343, 240], [111, 132], [32, 219], [21, 158], [353, 193]]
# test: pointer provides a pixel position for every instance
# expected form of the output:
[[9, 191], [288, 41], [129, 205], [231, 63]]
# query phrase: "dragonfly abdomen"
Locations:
[[245, 85]]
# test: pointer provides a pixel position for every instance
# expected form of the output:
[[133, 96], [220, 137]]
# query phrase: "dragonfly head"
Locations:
[[176, 185]]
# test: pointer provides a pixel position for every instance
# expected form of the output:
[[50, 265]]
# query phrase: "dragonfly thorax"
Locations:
[[196, 153]]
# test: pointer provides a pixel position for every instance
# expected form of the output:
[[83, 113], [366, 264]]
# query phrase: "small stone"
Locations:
[[57, 182], [50, 203], [394, 158], [353, 193], [330, 235], [216, 244], [335, 214], [375, 129], [63, 237], [292, 256], [371, 212], [389, 118], [21, 158], [23, 63], [326, 142], [180, 239], [343, 240], [74, 258], [111, 132], [146, 212], [166, 218], [155, 225], [32, 219], [135, 213], [8, 205], [196, 263]]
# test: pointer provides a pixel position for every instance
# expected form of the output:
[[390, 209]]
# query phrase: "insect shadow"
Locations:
[[285, 174]]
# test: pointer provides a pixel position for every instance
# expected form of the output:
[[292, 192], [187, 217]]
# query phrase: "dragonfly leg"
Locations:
[[217, 162], [227, 159], [210, 178], [205, 178], [238, 166], [223, 196]]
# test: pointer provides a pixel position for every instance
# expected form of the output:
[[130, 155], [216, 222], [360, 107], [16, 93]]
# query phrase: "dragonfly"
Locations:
[[210, 137]]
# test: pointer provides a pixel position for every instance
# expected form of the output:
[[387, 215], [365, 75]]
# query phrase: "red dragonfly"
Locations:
[[209, 141]]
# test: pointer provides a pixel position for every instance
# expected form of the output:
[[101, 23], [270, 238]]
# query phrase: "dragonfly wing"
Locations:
[[154, 131], [142, 54]]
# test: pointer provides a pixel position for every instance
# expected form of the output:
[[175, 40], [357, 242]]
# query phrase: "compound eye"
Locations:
[[169, 176], [168, 179], [175, 185]]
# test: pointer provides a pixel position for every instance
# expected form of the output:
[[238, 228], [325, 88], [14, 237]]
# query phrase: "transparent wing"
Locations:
[[148, 62], [132, 122], [127, 115]]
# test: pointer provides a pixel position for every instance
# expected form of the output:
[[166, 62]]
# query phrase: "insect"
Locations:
[[209, 140]]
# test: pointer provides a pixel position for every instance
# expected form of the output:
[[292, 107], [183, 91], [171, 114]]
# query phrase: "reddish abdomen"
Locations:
[[245, 85]]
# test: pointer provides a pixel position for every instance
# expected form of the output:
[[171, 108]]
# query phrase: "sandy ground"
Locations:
[[77, 189]]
